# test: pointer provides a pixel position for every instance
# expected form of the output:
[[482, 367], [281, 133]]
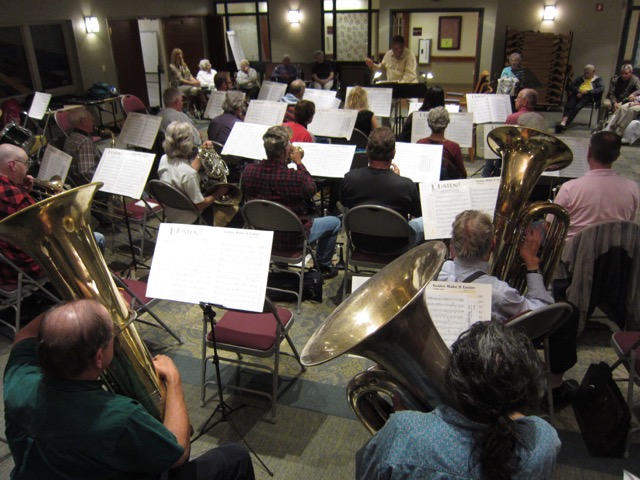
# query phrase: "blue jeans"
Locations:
[[324, 230], [417, 226]]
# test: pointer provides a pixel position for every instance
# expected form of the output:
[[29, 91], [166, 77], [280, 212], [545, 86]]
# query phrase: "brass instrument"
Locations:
[[54, 186], [387, 321], [216, 171], [526, 153], [56, 233], [298, 149]]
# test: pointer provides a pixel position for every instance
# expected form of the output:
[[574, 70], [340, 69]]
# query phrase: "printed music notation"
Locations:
[[39, 105], [323, 99], [326, 160], [415, 106], [123, 172], [272, 91], [579, 166], [420, 163], [214, 105], [227, 267], [54, 162], [245, 140], [265, 112], [460, 129], [488, 108], [333, 123], [379, 100], [140, 130]]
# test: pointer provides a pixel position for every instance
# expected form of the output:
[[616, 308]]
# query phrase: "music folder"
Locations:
[[140, 130], [123, 172]]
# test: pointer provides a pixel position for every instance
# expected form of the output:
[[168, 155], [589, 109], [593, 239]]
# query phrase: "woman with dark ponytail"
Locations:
[[494, 377]]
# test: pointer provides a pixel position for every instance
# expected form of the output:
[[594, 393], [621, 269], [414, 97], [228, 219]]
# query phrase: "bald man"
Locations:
[[526, 102], [81, 147]]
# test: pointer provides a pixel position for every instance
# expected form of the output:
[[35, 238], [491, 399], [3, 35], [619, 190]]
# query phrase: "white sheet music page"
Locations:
[[579, 166], [123, 172], [245, 140], [379, 100], [488, 153], [460, 129], [455, 306], [323, 99], [236, 47], [420, 163], [39, 105], [413, 107], [265, 112], [54, 162], [140, 130], [272, 91], [452, 107], [333, 123], [500, 107], [478, 104], [420, 126], [483, 193], [326, 160], [214, 105], [227, 267]]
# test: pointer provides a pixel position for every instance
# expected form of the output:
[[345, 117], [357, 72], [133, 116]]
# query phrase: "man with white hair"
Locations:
[[172, 112], [80, 146], [620, 88]]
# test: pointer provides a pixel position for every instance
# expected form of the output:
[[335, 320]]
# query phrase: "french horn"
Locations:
[[216, 172]]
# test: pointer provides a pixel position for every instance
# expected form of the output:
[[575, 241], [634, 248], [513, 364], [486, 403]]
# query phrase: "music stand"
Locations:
[[400, 91], [222, 407]]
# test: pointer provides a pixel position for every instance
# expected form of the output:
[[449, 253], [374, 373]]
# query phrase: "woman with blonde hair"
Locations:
[[366, 120], [181, 78]]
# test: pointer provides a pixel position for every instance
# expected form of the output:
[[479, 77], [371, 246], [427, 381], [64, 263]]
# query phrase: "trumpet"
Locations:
[[295, 148]]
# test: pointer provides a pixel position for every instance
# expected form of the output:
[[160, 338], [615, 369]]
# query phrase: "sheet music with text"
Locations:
[[39, 105], [245, 140], [272, 91], [214, 104], [326, 160], [227, 267], [236, 47], [379, 99], [265, 112], [323, 99], [420, 163], [460, 129], [441, 201], [140, 130], [455, 306], [54, 162], [333, 123], [488, 108], [124, 172], [579, 166], [488, 154]]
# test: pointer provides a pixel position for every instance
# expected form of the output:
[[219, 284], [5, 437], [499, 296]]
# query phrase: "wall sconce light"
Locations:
[[91, 24], [294, 17], [549, 12]]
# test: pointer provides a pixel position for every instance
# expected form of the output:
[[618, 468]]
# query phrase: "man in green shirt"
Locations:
[[61, 423]]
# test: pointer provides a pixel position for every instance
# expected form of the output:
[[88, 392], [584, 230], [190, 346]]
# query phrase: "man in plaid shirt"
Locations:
[[271, 179], [81, 147]]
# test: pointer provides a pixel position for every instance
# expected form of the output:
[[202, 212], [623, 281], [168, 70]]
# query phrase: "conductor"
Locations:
[[399, 63]]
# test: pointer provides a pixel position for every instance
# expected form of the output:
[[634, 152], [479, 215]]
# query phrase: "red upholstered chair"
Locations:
[[627, 347], [251, 334], [131, 103], [138, 212]]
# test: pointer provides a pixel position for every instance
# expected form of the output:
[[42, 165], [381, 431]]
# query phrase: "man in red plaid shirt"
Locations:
[[272, 179]]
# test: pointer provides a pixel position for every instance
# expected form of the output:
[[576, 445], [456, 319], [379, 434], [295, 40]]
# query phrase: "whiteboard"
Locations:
[[149, 42]]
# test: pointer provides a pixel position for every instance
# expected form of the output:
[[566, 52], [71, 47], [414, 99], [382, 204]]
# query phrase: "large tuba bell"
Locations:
[[56, 233], [526, 153], [387, 321], [216, 171]]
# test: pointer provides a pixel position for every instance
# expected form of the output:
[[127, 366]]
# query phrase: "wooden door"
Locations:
[[187, 34], [127, 56]]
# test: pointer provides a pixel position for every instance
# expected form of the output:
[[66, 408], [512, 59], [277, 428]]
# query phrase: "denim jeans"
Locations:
[[417, 226], [324, 230]]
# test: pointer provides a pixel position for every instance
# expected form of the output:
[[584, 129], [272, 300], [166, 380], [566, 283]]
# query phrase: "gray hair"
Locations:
[[589, 67], [627, 67], [531, 96], [171, 95], [317, 53], [438, 119], [515, 55], [533, 120], [203, 63], [276, 139], [472, 235], [297, 87], [178, 141], [10, 152], [381, 144], [286, 57], [76, 116], [232, 102]]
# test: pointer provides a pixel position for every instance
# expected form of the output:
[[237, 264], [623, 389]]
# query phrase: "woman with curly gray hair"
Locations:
[[233, 111], [452, 163]]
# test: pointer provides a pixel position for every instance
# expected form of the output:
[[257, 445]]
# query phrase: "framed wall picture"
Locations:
[[424, 51], [449, 31]]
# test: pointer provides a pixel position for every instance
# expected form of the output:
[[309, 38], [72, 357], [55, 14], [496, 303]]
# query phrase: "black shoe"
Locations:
[[328, 271], [563, 396], [560, 128]]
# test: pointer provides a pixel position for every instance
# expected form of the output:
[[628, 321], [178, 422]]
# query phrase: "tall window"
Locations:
[[350, 29], [250, 22]]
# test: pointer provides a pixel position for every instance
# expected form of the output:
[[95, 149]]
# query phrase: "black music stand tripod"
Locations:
[[222, 407]]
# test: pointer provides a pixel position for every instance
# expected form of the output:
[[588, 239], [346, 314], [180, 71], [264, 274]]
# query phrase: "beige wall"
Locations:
[[429, 24], [299, 41]]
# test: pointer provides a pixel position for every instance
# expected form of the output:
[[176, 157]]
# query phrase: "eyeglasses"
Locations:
[[26, 163]]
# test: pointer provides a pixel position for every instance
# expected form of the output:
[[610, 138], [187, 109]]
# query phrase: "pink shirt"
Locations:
[[513, 118], [601, 195]]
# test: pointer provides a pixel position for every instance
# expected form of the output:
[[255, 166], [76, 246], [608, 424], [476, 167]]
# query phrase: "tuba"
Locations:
[[387, 321], [526, 153], [216, 171], [56, 233]]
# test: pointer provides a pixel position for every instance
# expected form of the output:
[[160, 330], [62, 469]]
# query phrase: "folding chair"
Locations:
[[131, 103], [138, 215], [169, 196], [252, 334]]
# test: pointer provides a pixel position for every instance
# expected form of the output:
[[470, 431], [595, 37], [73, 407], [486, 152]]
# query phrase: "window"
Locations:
[[250, 22], [350, 29]]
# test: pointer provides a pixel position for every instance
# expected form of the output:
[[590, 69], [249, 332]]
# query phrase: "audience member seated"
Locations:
[[295, 93], [495, 378], [272, 179], [181, 78], [357, 100], [172, 112], [525, 77], [433, 98], [286, 72], [620, 87], [247, 80], [583, 91], [526, 102], [304, 111], [321, 72], [452, 163], [601, 194], [625, 114], [399, 64], [223, 81], [80, 146], [471, 245], [62, 423], [381, 184], [233, 111], [176, 168], [206, 74]]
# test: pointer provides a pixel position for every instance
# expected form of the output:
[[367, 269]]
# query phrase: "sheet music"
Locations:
[[214, 105], [272, 91], [629, 476], [39, 105], [236, 47], [488, 107], [323, 99], [265, 112], [442, 201], [420, 163], [245, 140], [580, 165], [123, 172], [140, 130], [326, 160], [227, 267], [452, 107], [500, 106], [487, 153], [54, 162], [357, 281], [455, 306], [379, 100], [333, 123], [413, 107], [460, 129]]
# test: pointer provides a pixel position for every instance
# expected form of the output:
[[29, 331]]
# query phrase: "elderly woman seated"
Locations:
[[233, 111], [452, 163], [247, 80], [206, 74]]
